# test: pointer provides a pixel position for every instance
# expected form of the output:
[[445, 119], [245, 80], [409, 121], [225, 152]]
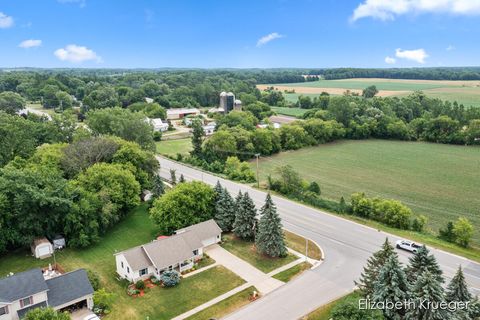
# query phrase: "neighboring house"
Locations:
[[209, 128], [159, 125], [178, 252], [42, 248], [27, 290], [280, 120], [180, 113]]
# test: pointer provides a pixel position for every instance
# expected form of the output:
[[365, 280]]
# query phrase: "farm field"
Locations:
[[465, 92], [294, 112], [439, 181]]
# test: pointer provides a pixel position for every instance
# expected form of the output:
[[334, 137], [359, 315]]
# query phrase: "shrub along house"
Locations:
[[28, 290], [178, 252]]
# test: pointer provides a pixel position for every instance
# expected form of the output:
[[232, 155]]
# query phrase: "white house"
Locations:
[[178, 252], [159, 125], [209, 128], [28, 290], [42, 248]]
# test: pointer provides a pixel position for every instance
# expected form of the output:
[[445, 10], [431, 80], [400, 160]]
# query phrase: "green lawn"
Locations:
[[226, 306], [440, 181], [159, 303], [294, 112], [245, 250], [294, 271], [298, 243], [172, 147]]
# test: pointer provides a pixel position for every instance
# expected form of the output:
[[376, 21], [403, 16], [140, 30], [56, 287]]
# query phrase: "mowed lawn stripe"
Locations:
[[440, 181]]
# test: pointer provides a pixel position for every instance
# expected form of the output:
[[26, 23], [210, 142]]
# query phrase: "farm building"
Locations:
[[180, 113]]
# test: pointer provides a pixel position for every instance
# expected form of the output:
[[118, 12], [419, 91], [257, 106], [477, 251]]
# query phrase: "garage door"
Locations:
[[208, 242], [43, 251]]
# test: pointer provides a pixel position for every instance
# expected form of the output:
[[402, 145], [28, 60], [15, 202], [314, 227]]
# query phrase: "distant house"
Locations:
[[28, 290], [280, 120], [159, 125], [209, 128], [178, 252], [42, 248], [180, 113]]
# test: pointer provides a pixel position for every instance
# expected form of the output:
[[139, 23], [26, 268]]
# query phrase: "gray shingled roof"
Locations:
[[21, 285], [137, 258], [68, 287], [204, 230], [172, 250]]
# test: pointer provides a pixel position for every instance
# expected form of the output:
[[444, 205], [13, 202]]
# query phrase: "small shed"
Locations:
[[59, 242], [42, 248]]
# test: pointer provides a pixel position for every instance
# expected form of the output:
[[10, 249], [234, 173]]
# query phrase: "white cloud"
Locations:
[[76, 54], [389, 9], [269, 37], [30, 43], [5, 21], [390, 60], [450, 48], [418, 55]]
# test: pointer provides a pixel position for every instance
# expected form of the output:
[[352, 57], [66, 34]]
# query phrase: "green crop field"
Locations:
[[439, 181], [355, 84], [294, 112]]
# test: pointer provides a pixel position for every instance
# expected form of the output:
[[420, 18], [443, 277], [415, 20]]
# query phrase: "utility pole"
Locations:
[[257, 155]]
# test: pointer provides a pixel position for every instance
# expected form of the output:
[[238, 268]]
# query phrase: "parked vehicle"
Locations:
[[408, 245]]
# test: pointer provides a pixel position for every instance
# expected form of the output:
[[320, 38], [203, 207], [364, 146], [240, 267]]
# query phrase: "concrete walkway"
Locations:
[[199, 270], [263, 282]]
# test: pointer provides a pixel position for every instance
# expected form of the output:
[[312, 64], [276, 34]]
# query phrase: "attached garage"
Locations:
[[208, 232], [42, 248]]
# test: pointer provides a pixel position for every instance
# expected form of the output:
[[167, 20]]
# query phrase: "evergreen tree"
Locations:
[[245, 218], [173, 176], [225, 211], [421, 261], [392, 287], [457, 289], [182, 178], [269, 239], [427, 290], [197, 138], [369, 276], [218, 189], [158, 187]]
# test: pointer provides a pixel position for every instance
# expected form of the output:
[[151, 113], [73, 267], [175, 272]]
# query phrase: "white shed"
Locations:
[[42, 248]]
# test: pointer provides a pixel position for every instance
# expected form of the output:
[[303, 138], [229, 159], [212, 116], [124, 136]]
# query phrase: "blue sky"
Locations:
[[229, 33]]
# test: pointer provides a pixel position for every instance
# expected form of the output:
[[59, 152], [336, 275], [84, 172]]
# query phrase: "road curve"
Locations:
[[346, 245]]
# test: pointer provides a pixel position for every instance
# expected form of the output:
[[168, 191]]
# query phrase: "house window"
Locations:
[[26, 302], [143, 272], [3, 310], [195, 252], [128, 270], [121, 264]]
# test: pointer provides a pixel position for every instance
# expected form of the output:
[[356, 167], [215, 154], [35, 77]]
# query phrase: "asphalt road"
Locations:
[[346, 245]]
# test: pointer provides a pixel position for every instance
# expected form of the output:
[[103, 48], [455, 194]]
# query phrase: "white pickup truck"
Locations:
[[407, 245]]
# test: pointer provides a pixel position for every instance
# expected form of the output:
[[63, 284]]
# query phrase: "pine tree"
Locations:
[[421, 261], [427, 290], [225, 211], [269, 239], [218, 189], [182, 178], [369, 276], [245, 218], [391, 286], [457, 289], [158, 187]]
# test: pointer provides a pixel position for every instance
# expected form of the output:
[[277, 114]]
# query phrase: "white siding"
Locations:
[[43, 250], [13, 308], [130, 274]]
